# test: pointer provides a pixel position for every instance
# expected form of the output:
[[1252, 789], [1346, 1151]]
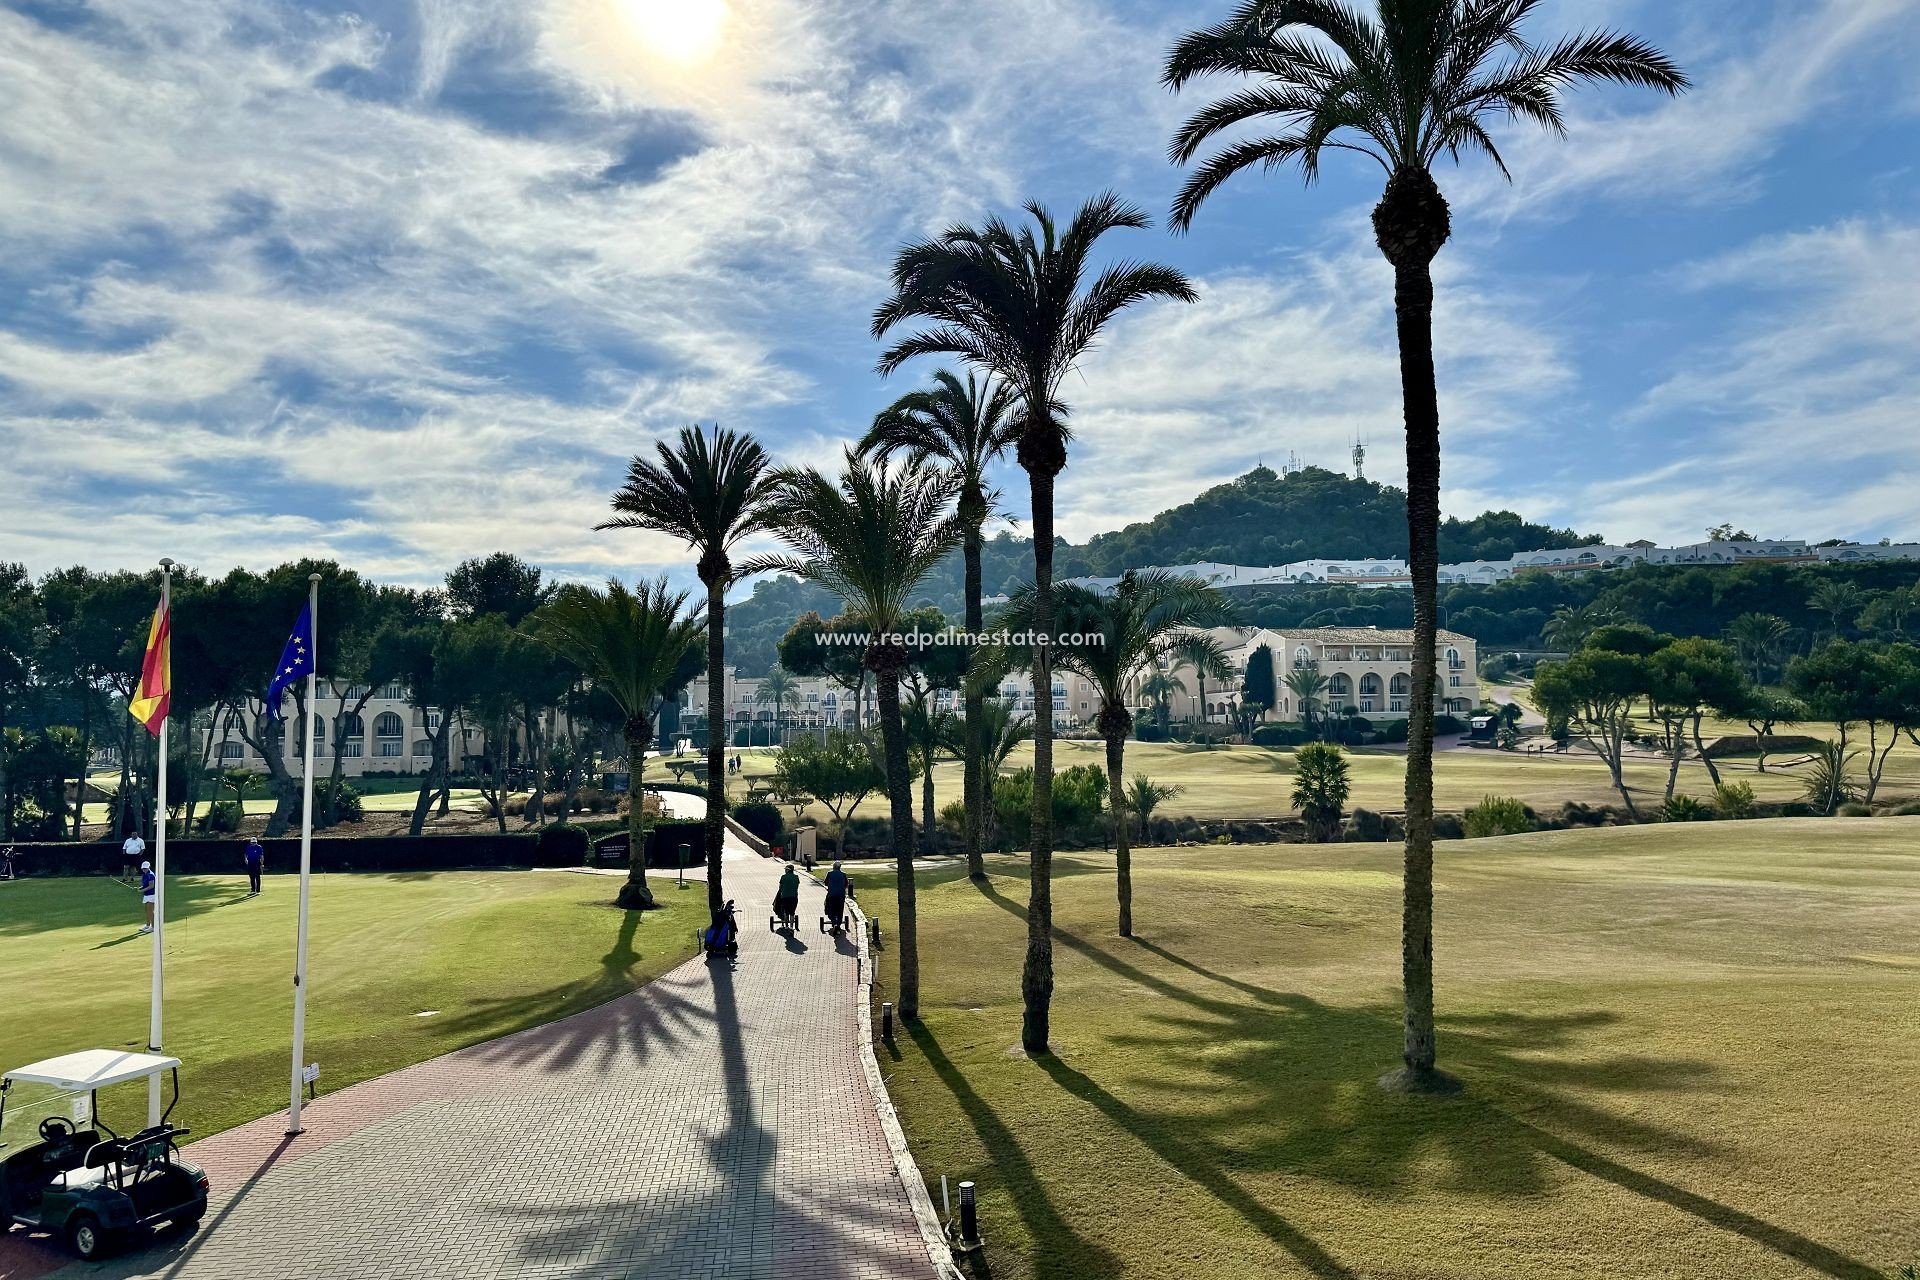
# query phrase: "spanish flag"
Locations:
[[155, 693]]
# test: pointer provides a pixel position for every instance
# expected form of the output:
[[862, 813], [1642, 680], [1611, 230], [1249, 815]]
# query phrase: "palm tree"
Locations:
[[872, 537], [1016, 304], [1132, 627], [962, 427], [1001, 730], [778, 690], [1144, 795], [1306, 684], [1199, 650], [1405, 88], [1757, 638], [710, 492], [1840, 601], [629, 645], [1159, 689]]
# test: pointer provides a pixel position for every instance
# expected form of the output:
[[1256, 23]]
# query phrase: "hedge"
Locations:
[[331, 854]]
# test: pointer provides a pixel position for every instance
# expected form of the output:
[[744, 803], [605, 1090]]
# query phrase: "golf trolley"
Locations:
[[841, 923], [98, 1191]]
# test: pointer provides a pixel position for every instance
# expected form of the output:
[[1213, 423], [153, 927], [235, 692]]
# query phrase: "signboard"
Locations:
[[82, 1110], [310, 1073]]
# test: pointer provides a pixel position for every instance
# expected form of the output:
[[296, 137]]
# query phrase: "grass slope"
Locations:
[[1688, 1051], [493, 952]]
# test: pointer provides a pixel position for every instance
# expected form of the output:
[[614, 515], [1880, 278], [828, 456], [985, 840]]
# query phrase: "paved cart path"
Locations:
[[716, 1123]]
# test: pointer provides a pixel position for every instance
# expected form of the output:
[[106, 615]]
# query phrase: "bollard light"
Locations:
[[886, 1019], [969, 1216]]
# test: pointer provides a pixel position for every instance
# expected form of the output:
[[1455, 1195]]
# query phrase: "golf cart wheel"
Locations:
[[89, 1239]]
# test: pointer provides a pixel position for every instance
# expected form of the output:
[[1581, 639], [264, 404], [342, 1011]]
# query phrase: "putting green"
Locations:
[[1687, 1051], [479, 954]]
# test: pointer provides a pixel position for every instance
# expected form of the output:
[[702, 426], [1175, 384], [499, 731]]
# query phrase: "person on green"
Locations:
[[786, 899]]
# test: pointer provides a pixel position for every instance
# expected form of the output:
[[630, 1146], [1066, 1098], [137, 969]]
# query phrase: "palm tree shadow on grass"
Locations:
[[591, 1017], [1054, 1238], [1300, 1073]]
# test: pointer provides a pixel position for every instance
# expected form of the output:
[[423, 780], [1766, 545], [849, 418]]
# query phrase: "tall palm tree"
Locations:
[[871, 537], [1306, 684], [1757, 638], [1017, 304], [1840, 601], [962, 427], [778, 690], [1407, 86], [709, 491], [1134, 626], [629, 645], [1203, 653]]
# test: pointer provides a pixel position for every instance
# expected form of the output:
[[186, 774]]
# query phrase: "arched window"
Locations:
[[390, 729], [1339, 690], [353, 726], [1402, 685], [1370, 692], [1302, 656], [1453, 660]]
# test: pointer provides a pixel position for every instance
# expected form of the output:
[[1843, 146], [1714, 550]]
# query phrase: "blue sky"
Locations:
[[407, 283]]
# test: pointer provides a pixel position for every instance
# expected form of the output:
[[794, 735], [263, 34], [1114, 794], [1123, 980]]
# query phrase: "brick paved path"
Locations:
[[715, 1124]]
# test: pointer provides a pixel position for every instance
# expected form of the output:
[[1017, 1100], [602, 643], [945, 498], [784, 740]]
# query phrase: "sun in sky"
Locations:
[[682, 32]]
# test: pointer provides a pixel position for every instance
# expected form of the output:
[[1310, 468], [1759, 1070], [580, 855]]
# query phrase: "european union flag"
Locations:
[[296, 661]]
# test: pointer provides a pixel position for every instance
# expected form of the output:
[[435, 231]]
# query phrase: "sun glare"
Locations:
[[679, 31]]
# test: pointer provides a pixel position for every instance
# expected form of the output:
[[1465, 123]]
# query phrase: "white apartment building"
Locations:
[[1367, 668], [389, 736]]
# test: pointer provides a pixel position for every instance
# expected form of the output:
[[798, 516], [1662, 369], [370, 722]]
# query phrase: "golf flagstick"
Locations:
[[161, 638], [306, 856]]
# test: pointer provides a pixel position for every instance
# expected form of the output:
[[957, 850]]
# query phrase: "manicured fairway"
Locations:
[[1255, 782], [489, 952], [1688, 1051]]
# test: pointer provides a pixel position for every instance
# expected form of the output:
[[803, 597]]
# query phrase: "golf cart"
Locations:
[[97, 1191]]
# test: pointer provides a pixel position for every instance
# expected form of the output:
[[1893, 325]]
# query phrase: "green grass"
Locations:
[[1687, 1052], [493, 952], [1255, 782]]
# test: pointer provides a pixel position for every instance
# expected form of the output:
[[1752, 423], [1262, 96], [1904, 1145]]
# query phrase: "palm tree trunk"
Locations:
[[1117, 806], [926, 801], [973, 796], [1036, 975], [716, 737], [1413, 313], [893, 735], [635, 894]]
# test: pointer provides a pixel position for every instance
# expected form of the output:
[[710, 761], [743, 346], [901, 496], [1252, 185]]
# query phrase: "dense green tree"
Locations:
[[1406, 88], [1593, 693], [1017, 304], [1259, 687]]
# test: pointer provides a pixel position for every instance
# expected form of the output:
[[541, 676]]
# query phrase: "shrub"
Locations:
[[1147, 731], [1446, 724], [1684, 809], [1496, 816], [1321, 784], [1278, 735], [1829, 778], [764, 820], [1908, 810], [1394, 731], [350, 807], [953, 816], [1447, 826], [1733, 800], [1365, 824], [561, 844], [222, 815], [1854, 809]]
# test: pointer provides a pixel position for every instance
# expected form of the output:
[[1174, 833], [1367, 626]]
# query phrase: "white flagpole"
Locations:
[[306, 858], [160, 864]]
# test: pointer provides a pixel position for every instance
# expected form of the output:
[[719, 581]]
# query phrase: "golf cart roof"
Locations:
[[92, 1069]]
